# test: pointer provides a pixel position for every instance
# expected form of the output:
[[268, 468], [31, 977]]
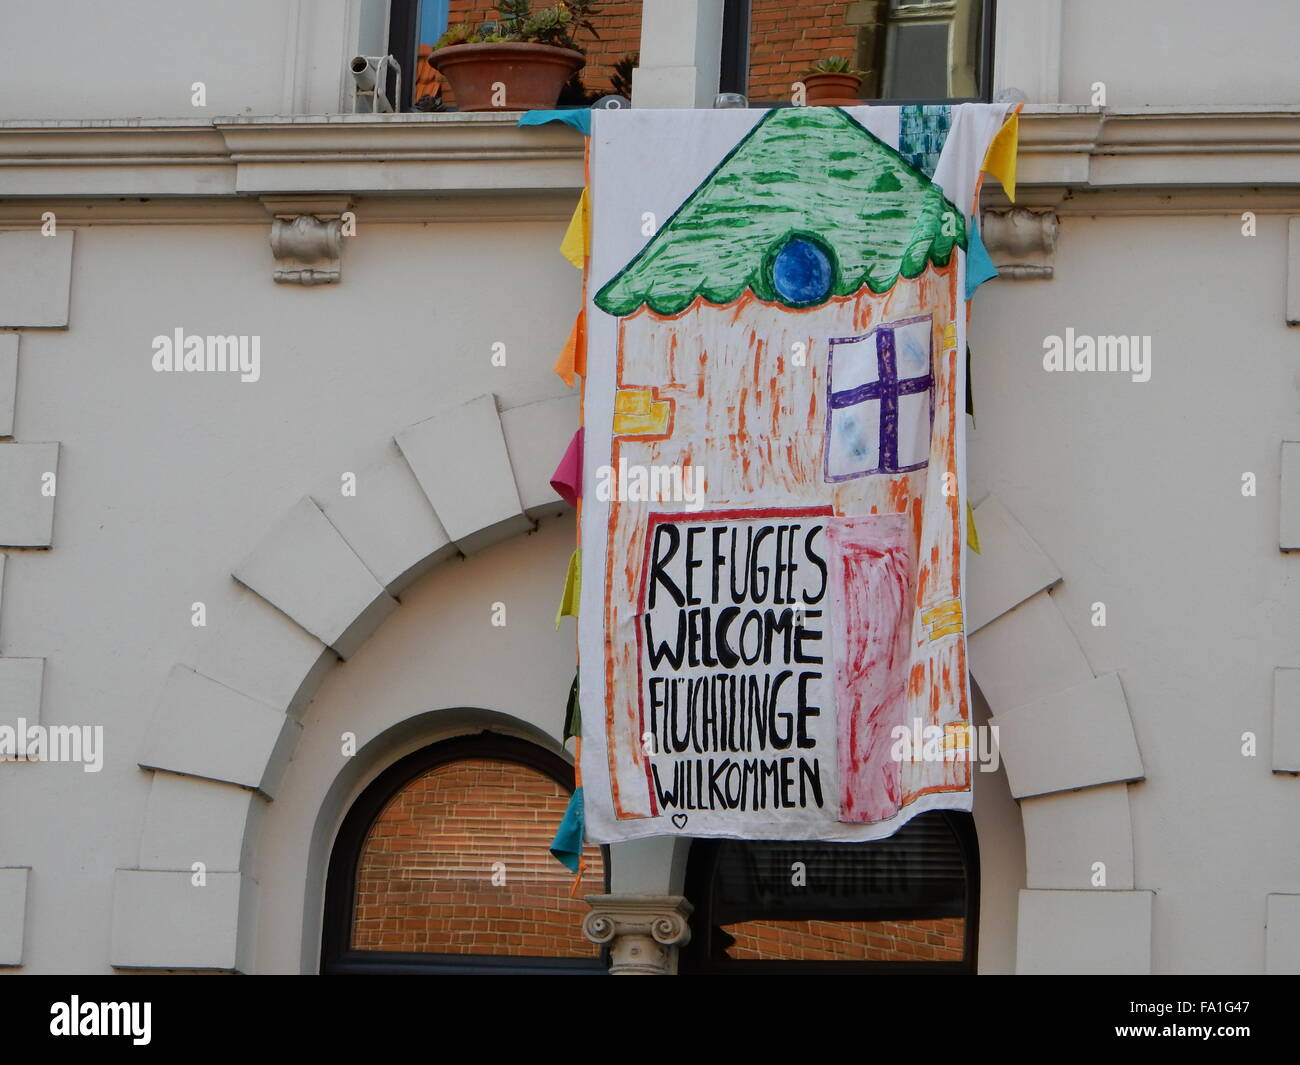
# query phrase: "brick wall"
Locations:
[[940, 940], [619, 26], [424, 882], [786, 38]]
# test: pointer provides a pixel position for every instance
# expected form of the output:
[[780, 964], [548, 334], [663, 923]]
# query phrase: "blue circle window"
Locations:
[[801, 272]]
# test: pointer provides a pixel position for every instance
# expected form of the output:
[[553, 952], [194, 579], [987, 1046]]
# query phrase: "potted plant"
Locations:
[[831, 81], [519, 63]]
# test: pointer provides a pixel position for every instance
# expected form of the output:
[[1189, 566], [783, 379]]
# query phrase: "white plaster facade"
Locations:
[[325, 614]]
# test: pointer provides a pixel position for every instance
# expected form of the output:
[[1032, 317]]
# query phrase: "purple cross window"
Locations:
[[880, 400]]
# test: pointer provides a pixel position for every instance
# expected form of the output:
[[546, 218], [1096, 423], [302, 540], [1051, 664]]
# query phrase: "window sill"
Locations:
[[476, 158]]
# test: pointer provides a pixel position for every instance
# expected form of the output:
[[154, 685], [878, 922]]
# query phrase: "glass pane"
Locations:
[[428, 84], [425, 882], [897, 899], [904, 49], [916, 62], [941, 940]]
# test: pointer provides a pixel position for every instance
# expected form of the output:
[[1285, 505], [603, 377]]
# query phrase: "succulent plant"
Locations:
[[557, 25], [833, 64]]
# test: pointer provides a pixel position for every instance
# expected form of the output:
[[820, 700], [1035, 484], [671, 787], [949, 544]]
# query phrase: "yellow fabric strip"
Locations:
[[1000, 159], [972, 533], [572, 589], [573, 359], [575, 243]]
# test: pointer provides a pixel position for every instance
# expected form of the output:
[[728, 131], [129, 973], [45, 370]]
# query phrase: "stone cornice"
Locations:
[[1072, 150], [335, 154], [1067, 152]]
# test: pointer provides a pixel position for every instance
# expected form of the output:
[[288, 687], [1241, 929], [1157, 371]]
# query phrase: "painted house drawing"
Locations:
[[793, 329]]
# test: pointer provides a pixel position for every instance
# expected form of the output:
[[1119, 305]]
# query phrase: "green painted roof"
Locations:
[[807, 171]]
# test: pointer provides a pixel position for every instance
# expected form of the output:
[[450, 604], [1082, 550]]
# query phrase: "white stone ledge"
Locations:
[[424, 153], [1077, 738], [38, 278], [1282, 935], [258, 650], [161, 920], [204, 729], [21, 681], [1009, 569], [304, 567], [1088, 933], [1286, 721], [389, 522], [1061, 148], [8, 381], [1067, 833], [189, 820], [13, 914], [1293, 271], [26, 513], [460, 459], [536, 436], [1027, 654], [1288, 534]]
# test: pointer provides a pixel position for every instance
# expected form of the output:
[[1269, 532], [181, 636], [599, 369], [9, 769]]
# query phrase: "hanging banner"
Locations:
[[774, 505]]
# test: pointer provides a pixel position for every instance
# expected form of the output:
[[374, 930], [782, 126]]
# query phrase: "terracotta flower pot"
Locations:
[[533, 74], [837, 90]]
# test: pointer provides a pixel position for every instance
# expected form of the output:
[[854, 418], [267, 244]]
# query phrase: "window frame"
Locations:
[[404, 46], [338, 957], [734, 60], [696, 960]]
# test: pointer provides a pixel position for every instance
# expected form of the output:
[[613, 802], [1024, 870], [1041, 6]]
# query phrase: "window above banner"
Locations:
[[900, 51]]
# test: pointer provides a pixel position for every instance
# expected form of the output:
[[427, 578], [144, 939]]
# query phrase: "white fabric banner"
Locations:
[[771, 635]]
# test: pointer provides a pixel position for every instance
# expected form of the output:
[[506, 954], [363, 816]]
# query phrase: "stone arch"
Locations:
[[326, 576], [312, 591], [1066, 738]]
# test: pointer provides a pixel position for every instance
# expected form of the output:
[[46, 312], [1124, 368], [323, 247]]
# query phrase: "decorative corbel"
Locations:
[[307, 238], [644, 931], [1021, 243]]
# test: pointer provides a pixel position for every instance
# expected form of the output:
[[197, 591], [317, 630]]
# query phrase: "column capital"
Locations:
[[644, 931]]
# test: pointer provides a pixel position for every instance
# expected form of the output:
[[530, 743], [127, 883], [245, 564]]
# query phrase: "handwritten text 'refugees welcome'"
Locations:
[[733, 664]]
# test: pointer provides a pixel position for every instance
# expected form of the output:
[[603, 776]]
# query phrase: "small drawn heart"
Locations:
[[679, 820]]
